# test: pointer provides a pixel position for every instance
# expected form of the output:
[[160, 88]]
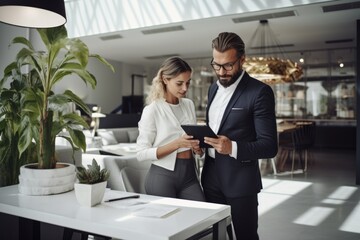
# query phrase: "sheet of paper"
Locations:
[[140, 207], [143, 209], [155, 210], [126, 203]]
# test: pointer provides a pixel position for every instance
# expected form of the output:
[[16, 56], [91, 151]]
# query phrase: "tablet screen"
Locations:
[[199, 132]]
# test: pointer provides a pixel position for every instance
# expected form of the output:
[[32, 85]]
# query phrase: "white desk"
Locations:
[[121, 149], [108, 220]]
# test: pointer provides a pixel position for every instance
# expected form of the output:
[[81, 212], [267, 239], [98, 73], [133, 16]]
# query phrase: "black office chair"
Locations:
[[307, 139], [302, 140]]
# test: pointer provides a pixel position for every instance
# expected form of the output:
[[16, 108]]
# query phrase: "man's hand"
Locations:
[[222, 144]]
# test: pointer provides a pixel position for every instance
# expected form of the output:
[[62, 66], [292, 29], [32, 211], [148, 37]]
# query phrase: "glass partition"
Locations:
[[326, 90]]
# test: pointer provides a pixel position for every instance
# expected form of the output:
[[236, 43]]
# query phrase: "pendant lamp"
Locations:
[[269, 67], [33, 13]]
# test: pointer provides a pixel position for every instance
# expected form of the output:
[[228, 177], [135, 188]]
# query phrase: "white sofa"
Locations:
[[119, 141], [126, 172], [111, 136], [65, 153]]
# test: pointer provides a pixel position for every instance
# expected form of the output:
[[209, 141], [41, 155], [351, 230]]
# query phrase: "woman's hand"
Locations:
[[197, 150], [186, 141], [195, 146]]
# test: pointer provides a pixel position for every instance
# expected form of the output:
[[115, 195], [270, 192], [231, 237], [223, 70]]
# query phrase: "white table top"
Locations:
[[121, 149], [114, 219]]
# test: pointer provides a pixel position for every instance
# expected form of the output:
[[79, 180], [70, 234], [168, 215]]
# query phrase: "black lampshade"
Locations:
[[33, 13]]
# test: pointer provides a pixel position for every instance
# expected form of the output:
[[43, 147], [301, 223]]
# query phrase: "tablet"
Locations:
[[199, 132]]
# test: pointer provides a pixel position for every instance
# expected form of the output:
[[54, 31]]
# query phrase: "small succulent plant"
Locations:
[[92, 174]]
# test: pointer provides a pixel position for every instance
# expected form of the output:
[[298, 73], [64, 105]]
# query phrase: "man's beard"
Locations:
[[226, 83]]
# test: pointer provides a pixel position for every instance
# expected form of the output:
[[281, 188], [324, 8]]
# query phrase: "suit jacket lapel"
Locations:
[[234, 98]]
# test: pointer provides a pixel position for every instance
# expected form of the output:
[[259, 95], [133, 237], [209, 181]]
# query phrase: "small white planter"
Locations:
[[33, 181], [90, 194]]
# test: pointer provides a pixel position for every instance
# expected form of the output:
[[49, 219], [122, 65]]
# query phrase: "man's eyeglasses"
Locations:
[[226, 66]]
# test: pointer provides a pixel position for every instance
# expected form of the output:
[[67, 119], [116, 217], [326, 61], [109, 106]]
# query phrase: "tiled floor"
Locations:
[[323, 203]]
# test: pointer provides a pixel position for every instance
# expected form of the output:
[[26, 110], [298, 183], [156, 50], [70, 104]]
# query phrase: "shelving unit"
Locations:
[[201, 80], [326, 90], [316, 100], [290, 99]]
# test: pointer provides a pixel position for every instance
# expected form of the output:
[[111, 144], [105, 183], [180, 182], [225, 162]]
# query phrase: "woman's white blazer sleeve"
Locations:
[[159, 126], [147, 134]]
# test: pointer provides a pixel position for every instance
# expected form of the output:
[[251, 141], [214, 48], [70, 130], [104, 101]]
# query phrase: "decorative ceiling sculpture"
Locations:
[[273, 70], [267, 68]]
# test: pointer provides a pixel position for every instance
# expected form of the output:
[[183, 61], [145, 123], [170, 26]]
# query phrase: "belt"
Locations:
[[184, 155]]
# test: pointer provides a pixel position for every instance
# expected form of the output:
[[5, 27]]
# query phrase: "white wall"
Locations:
[[111, 87], [8, 54]]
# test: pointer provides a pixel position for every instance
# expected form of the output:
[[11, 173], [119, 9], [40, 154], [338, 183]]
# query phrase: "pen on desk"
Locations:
[[122, 198]]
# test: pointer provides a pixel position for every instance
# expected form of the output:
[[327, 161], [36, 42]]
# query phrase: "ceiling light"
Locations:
[[264, 16], [33, 13], [162, 56], [111, 37], [346, 40], [163, 30], [340, 62], [341, 7], [301, 59], [267, 67]]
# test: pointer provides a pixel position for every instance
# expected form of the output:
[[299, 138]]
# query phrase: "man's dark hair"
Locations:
[[228, 40]]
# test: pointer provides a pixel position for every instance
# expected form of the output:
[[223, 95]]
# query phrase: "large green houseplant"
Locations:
[[42, 113], [10, 129]]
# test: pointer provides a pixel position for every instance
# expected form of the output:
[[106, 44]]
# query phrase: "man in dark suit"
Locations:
[[241, 110]]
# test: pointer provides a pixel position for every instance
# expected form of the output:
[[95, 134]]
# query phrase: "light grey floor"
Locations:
[[323, 203]]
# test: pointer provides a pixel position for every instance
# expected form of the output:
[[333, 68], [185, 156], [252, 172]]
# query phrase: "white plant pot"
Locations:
[[90, 194], [33, 181]]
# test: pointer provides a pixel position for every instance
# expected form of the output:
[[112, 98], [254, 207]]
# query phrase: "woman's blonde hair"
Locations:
[[170, 68]]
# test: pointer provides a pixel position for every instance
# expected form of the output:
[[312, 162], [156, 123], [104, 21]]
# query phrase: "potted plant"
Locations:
[[10, 119], [91, 185], [43, 114]]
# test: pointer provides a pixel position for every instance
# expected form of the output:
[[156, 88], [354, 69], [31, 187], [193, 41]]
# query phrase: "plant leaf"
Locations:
[[80, 103], [22, 40], [80, 51], [52, 35], [101, 59], [78, 138]]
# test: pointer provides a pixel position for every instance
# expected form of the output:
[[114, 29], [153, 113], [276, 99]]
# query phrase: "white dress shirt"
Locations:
[[217, 109]]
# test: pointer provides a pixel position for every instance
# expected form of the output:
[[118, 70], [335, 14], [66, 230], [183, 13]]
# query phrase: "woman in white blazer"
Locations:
[[161, 138]]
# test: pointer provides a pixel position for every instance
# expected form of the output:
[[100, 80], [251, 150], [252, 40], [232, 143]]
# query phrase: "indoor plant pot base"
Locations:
[[33, 181], [90, 194]]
